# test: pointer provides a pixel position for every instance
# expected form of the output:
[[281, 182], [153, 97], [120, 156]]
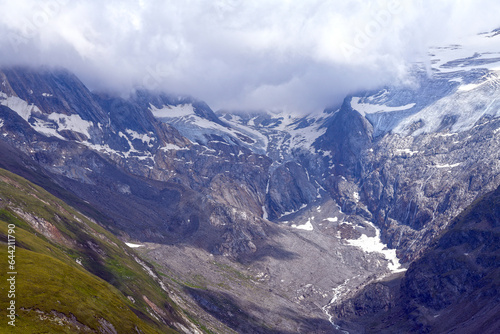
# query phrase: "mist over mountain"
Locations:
[[297, 56]]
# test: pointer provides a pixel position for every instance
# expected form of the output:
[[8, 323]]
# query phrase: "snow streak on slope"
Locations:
[[173, 147], [145, 138], [55, 122], [131, 245], [46, 128], [367, 108], [21, 107]]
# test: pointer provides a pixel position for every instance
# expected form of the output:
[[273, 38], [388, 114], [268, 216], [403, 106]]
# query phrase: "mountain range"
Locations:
[[379, 214]]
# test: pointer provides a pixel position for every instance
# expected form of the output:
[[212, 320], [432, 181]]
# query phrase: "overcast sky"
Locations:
[[273, 54]]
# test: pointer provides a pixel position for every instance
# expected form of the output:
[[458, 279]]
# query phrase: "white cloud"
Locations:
[[234, 53]]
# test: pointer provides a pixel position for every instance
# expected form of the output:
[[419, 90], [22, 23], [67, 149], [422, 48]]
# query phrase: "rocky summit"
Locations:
[[376, 215]]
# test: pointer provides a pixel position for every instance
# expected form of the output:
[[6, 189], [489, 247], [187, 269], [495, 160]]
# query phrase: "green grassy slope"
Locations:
[[73, 275]]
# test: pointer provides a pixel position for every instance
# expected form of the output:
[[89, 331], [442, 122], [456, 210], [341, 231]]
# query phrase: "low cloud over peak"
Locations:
[[300, 55]]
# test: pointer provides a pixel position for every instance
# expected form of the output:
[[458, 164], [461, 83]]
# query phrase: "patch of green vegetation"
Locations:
[[200, 280], [186, 284], [45, 284], [223, 286], [74, 239], [120, 270], [34, 242], [197, 323], [10, 218], [232, 272]]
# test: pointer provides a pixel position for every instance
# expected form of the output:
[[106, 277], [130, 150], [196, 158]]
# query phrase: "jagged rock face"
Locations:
[[453, 287], [52, 91], [289, 189], [416, 185], [413, 186], [347, 137], [81, 148], [429, 159], [460, 275], [375, 298]]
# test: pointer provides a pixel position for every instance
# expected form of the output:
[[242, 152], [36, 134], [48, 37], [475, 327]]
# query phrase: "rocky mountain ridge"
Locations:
[[369, 183], [452, 288]]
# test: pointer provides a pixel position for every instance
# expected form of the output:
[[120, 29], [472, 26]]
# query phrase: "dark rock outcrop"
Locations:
[[453, 288]]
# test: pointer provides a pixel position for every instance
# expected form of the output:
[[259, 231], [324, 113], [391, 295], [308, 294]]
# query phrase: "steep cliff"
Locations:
[[453, 288]]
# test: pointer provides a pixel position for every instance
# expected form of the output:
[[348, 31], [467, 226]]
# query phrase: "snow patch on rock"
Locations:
[[21, 107], [172, 147], [71, 122], [374, 244], [145, 138], [306, 227], [131, 245]]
